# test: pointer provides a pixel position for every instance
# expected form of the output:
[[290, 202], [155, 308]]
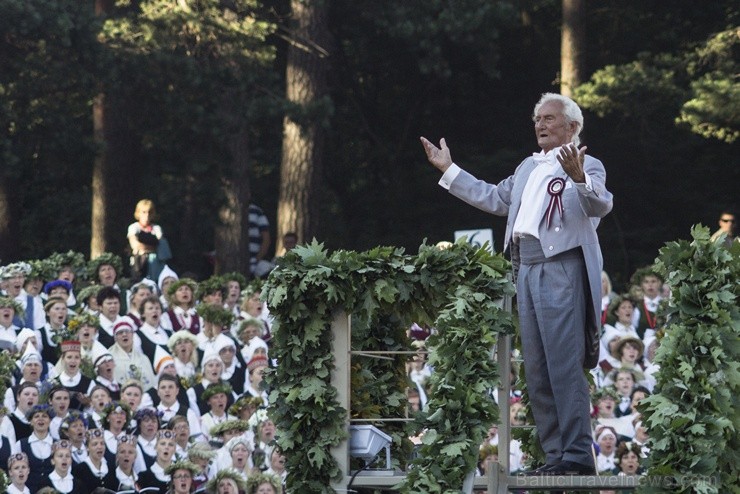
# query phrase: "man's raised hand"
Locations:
[[437, 156], [571, 159]]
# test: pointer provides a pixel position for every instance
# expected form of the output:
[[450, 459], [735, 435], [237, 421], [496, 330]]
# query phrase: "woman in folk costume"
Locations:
[[67, 266], [18, 473], [181, 314], [253, 306], [30, 368], [126, 476], [136, 296], [216, 396], [234, 365], [16, 425], [105, 271], [234, 282], [148, 425], [59, 398], [105, 367], [227, 481], [181, 474], [12, 280], [88, 300], [166, 278], [74, 429], [215, 320], [151, 333], [59, 289], [54, 329], [157, 476], [212, 369], [71, 377], [61, 479], [95, 471], [8, 329], [38, 446], [183, 345]]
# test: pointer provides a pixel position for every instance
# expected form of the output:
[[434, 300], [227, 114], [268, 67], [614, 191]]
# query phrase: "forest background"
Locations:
[[312, 110]]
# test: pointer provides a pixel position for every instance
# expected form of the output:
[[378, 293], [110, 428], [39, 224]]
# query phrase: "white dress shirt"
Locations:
[[41, 448], [156, 335], [98, 472], [14, 490], [124, 480], [63, 485]]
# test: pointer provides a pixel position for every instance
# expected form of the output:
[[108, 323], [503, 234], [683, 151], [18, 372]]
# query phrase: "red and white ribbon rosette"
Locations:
[[555, 188]]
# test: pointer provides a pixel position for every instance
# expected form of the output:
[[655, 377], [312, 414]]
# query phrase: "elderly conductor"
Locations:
[[553, 203]]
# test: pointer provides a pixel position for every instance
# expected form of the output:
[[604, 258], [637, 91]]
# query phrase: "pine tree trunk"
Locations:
[[8, 246], [572, 46], [232, 233], [303, 141]]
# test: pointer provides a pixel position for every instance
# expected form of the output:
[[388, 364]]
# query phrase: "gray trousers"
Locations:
[[552, 298]]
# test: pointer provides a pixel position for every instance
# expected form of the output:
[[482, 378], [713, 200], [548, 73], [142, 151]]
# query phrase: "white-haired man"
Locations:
[[553, 202]]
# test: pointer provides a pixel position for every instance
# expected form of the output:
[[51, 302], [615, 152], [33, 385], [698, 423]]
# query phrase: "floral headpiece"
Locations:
[[87, 292], [253, 287], [257, 419], [83, 319], [244, 402], [106, 258], [75, 260], [211, 285], [9, 303], [214, 389], [47, 409], [234, 276], [148, 412], [183, 465], [182, 281], [42, 270], [226, 473], [606, 391], [15, 269], [201, 450], [215, 314], [229, 425], [74, 416], [117, 407], [255, 481]]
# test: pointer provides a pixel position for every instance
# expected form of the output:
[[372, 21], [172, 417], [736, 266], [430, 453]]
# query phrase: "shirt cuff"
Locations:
[[587, 185], [449, 176]]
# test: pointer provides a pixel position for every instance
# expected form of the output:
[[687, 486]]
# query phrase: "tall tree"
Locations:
[[48, 55], [303, 126], [572, 45]]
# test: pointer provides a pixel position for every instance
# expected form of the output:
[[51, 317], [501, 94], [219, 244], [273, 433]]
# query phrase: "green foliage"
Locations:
[[7, 366], [698, 85], [387, 290], [693, 415], [378, 385]]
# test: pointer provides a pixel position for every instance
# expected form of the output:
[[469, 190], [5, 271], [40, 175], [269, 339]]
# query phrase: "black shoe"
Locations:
[[571, 468], [538, 471]]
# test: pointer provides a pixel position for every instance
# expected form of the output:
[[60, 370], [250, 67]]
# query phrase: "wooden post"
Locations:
[[342, 337]]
